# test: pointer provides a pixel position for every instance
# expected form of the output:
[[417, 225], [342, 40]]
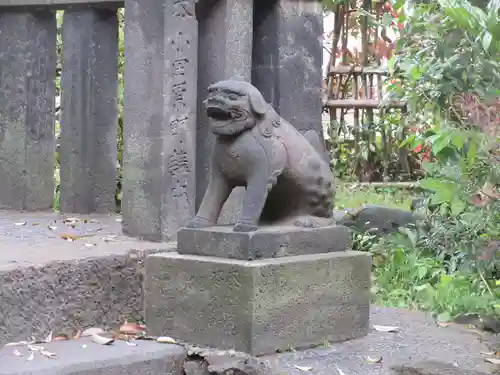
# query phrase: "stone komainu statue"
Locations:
[[287, 180]]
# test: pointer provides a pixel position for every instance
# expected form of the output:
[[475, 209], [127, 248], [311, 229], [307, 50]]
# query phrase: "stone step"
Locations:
[[83, 357], [48, 283]]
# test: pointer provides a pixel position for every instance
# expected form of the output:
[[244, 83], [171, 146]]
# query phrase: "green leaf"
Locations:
[[386, 20], [458, 140], [472, 153], [422, 272], [444, 317], [435, 185], [440, 143], [457, 205], [487, 38]]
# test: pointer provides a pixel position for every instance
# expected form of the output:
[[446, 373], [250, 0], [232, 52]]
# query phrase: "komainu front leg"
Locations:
[[217, 192], [258, 188]]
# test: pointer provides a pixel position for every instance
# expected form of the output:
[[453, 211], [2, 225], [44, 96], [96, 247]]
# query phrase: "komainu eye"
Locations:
[[233, 97]]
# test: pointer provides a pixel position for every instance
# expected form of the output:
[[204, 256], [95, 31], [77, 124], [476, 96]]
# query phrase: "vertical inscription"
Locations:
[[180, 106]]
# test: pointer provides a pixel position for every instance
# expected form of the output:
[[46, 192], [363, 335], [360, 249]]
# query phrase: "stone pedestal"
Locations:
[[295, 300]]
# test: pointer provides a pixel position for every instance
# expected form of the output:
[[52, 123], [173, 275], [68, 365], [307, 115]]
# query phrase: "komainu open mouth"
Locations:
[[218, 114]]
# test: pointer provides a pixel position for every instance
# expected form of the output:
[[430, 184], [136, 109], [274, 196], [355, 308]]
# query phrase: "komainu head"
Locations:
[[234, 106]]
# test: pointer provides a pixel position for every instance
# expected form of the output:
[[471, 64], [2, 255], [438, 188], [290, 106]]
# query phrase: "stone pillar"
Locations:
[[287, 59], [143, 119], [159, 127], [89, 120], [180, 84], [225, 40], [27, 99]]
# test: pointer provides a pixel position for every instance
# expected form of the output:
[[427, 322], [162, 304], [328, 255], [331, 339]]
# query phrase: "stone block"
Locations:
[[180, 85], [118, 359], [225, 51], [143, 119], [258, 306], [27, 116], [287, 59], [89, 122], [267, 242]]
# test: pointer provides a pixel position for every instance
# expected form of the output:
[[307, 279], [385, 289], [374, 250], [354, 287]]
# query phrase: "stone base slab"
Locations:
[[258, 306], [83, 357], [266, 242]]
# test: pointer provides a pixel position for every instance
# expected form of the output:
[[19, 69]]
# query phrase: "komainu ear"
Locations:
[[257, 102]]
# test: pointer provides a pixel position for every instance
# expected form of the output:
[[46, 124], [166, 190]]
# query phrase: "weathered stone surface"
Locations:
[[419, 339], [267, 242], [180, 85], [47, 283], [258, 306], [287, 59], [433, 368], [225, 51], [27, 92], [377, 219], [143, 128], [286, 179], [118, 359], [89, 120], [57, 3]]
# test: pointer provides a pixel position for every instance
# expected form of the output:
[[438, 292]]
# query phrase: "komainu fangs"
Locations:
[[287, 180]]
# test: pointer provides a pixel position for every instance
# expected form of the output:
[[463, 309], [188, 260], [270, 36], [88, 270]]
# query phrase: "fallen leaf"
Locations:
[[51, 227], [132, 328], [339, 370], [61, 337], [109, 238], [303, 368], [17, 353], [35, 224], [49, 337], [91, 331], [119, 220], [166, 340], [69, 237], [495, 361], [101, 339], [130, 343], [48, 354], [32, 355], [77, 335], [90, 244], [385, 328], [35, 348], [374, 359], [84, 346], [71, 220], [21, 224], [18, 343], [488, 353], [442, 324]]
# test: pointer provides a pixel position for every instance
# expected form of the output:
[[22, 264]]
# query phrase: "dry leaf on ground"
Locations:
[[21, 224], [385, 328], [166, 340], [495, 361], [339, 370], [48, 354], [49, 337], [374, 359], [32, 355], [17, 353], [132, 328], [102, 339], [69, 237], [303, 368], [91, 331]]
